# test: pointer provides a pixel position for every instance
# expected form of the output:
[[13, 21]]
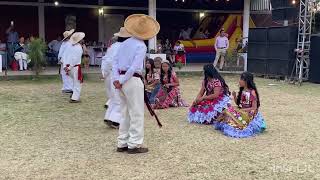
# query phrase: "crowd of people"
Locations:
[[15, 50]]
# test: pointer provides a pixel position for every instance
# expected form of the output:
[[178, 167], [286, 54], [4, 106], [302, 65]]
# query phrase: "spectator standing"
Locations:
[[12, 40], [221, 45]]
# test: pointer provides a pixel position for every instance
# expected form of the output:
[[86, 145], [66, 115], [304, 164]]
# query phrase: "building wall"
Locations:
[[25, 20], [87, 22]]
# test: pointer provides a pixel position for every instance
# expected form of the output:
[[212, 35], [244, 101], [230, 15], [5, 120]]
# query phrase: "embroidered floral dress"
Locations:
[[169, 97], [207, 111], [235, 122]]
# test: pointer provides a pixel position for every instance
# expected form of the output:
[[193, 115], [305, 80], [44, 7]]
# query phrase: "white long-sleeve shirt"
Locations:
[[73, 55], [63, 47], [108, 59], [129, 58]]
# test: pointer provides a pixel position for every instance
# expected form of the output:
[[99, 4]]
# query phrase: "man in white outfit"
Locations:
[[113, 115], [72, 65], [127, 72], [67, 82], [221, 45]]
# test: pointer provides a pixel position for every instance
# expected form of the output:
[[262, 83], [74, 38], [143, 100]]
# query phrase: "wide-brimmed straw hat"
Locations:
[[67, 34], [142, 26], [123, 33], [77, 37]]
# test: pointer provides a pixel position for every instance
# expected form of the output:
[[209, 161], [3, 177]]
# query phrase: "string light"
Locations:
[[293, 2], [56, 3]]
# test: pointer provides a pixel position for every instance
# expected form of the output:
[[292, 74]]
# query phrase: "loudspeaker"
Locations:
[[314, 73], [258, 66], [274, 56], [258, 34], [281, 50], [283, 34], [283, 10], [280, 4], [258, 50], [284, 14]]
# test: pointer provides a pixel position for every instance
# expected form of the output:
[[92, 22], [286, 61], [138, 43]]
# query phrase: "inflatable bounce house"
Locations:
[[202, 50]]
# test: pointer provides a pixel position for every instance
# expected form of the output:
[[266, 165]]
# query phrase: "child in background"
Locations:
[[151, 80], [245, 120]]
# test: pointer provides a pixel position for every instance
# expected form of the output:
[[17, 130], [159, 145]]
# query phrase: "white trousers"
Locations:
[[113, 112], [131, 131], [220, 54], [76, 83], [108, 84], [22, 58], [67, 81]]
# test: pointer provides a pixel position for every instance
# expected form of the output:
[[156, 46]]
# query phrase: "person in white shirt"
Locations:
[[113, 115], [67, 82], [72, 64], [221, 45], [127, 76]]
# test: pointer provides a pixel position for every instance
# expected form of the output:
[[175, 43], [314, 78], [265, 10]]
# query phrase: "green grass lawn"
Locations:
[[45, 137]]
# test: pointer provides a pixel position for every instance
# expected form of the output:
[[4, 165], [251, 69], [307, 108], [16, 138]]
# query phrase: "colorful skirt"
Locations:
[[207, 111], [166, 99], [240, 124]]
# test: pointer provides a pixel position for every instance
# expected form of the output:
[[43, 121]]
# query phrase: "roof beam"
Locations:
[[126, 8]]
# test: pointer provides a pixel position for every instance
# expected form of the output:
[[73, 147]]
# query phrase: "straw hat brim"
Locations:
[[77, 37], [68, 35], [123, 34], [142, 26]]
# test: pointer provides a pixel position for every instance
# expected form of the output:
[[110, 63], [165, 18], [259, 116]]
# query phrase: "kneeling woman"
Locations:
[[212, 99], [169, 93], [245, 120]]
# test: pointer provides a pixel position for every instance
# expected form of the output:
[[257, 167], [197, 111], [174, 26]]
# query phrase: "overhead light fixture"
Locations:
[[201, 15], [56, 3], [101, 11]]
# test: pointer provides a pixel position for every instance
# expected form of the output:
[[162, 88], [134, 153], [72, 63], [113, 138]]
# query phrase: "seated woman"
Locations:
[[245, 120], [152, 79], [212, 99], [169, 93], [21, 54]]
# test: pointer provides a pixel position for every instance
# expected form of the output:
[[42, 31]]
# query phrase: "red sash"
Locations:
[[80, 75]]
